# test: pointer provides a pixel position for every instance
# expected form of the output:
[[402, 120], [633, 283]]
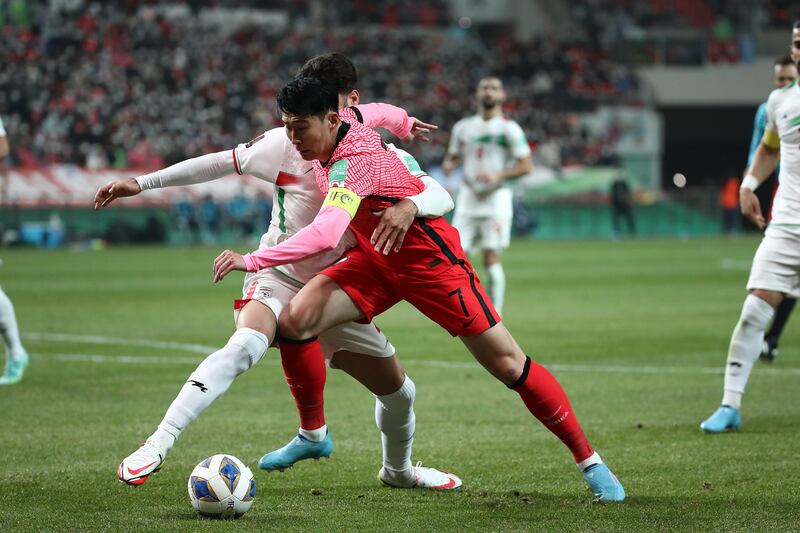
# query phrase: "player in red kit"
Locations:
[[430, 269]]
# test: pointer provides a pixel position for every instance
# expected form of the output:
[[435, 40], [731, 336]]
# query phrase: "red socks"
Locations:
[[547, 401], [304, 368]]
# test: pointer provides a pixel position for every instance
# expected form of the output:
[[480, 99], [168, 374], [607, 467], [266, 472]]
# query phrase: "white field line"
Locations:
[[728, 263], [469, 365], [118, 341]]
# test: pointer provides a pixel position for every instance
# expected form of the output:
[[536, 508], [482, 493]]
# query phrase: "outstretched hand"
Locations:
[[419, 131], [116, 189], [227, 262], [751, 208], [393, 226]]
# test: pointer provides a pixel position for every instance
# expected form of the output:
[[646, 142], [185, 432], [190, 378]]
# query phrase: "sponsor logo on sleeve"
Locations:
[[412, 164], [338, 172]]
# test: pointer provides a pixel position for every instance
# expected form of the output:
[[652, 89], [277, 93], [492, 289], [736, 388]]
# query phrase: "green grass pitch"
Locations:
[[636, 331]]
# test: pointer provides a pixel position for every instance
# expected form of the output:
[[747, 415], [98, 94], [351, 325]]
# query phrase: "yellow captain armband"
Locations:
[[772, 139], [343, 198]]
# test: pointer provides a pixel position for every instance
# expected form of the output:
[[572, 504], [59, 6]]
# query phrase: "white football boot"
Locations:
[[137, 467], [421, 477]]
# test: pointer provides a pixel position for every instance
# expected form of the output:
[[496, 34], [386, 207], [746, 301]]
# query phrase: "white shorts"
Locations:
[[275, 290], [776, 265], [495, 233]]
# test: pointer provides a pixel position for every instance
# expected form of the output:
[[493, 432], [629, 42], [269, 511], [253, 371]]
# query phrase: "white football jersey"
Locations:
[[486, 146], [783, 119], [296, 198]]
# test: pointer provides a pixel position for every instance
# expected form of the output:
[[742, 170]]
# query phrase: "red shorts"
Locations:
[[430, 272]]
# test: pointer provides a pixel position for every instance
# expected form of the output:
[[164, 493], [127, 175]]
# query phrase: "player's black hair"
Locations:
[[308, 96], [784, 61], [332, 67], [796, 25]]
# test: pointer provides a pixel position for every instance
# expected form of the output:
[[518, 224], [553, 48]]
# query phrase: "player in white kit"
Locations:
[[493, 150], [271, 157], [775, 272], [16, 356]]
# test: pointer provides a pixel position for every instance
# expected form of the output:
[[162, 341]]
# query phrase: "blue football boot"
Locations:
[[726, 418], [14, 369], [299, 448], [604, 484]]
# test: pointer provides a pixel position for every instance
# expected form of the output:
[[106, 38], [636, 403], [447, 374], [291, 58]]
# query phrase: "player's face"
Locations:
[[795, 49], [490, 92], [784, 75], [314, 137]]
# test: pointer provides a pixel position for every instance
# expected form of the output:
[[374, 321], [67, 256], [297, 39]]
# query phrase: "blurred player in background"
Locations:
[[784, 73], [776, 265], [16, 356], [362, 350], [493, 150], [360, 176]]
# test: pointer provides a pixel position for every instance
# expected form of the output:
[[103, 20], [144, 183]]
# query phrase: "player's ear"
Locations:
[[353, 98], [332, 119]]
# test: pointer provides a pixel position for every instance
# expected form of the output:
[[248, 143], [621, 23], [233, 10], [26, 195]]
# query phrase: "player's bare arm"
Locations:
[[764, 164], [5, 150], [522, 166], [395, 221], [393, 226], [450, 163], [116, 189]]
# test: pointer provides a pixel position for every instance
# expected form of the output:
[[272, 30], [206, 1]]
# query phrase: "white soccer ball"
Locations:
[[222, 486]]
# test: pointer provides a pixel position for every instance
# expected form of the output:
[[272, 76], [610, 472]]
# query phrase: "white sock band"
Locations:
[[746, 341], [316, 435], [589, 461], [394, 416]]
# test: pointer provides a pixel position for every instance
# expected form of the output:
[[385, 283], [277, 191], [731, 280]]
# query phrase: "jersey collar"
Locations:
[[343, 129]]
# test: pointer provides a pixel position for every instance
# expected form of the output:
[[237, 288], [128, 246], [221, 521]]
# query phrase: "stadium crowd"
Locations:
[[132, 84]]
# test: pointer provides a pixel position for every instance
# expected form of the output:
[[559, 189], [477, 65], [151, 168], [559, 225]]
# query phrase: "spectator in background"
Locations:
[[622, 206], [262, 207], [210, 219], [186, 219], [240, 216], [729, 202]]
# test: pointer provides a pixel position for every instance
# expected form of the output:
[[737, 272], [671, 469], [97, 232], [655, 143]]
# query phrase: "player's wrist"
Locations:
[[416, 203], [749, 183]]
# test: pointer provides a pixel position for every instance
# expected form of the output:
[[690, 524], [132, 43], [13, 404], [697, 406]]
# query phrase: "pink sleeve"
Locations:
[[322, 235], [392, 118]]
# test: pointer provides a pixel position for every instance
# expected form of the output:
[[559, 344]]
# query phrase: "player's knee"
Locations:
[[244, 349], [294, 323], [505, 367], [756, 312]]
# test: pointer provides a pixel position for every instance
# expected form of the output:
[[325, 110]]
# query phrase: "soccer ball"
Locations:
[[222, 486]]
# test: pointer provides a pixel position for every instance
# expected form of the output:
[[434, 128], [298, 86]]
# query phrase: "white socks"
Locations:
[[394, 416], [8, 327], [589, 461], [212, 377], [315, 435], [497, 285], [748, 336]]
